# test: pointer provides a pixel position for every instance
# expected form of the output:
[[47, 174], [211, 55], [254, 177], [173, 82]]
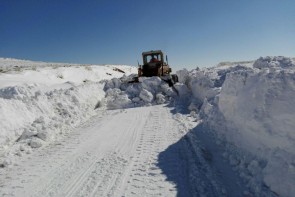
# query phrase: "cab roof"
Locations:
[[152, 52]]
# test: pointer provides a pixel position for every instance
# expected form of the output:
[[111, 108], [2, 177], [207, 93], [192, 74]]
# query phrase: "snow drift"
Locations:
[[40, 101], [28, 112], [252, 108], [259, 108]]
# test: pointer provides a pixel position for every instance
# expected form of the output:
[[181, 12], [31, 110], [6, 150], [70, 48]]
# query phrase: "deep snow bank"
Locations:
[[31, 116], [40, 101], [253, 109], [259, 108]]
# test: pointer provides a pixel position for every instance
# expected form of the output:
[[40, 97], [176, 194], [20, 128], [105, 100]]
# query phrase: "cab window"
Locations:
[[157, 56]]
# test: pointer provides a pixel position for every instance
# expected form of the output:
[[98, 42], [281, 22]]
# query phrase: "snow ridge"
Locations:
[[41, 101], [251, 110], [42, 115]]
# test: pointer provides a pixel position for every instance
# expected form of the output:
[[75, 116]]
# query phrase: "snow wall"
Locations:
[[252, 108], [31, 116], [41, 101]]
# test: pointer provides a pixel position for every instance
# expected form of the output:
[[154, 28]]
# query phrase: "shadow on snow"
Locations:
[[196, 166]]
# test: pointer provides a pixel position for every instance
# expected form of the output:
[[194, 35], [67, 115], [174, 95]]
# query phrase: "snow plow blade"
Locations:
[[134, 80]]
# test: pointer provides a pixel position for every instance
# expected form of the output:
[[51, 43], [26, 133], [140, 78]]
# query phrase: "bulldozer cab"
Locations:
[[153, 65], [152, 57]]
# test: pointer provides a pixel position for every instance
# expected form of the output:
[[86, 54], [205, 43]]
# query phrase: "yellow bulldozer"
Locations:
[[154, 65]]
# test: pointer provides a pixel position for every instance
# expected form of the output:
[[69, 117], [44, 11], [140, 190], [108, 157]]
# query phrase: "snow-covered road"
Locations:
[[229, 132], [116, 153]]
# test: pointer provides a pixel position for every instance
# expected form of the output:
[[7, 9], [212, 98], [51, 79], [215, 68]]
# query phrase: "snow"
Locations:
[[51, 74], [41, 114], [251, 108], [116, 153], [120, 94], [230, 131], [259, 106], [43, 100]]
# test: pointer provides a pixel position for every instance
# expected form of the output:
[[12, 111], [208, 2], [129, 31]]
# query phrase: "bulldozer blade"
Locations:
[[171, 84], [134, 80]]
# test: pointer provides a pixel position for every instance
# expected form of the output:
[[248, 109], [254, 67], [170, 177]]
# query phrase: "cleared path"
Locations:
[[132, 152]]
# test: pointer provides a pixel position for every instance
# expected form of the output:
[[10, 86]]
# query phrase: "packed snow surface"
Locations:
[[114, 154], [221, 131]]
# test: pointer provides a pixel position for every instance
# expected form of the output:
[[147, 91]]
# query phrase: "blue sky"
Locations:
[[191, 32]]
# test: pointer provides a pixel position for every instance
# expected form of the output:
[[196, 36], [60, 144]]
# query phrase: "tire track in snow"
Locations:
[[93, 173], [146, 178], [114, 154], [48, 168]]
